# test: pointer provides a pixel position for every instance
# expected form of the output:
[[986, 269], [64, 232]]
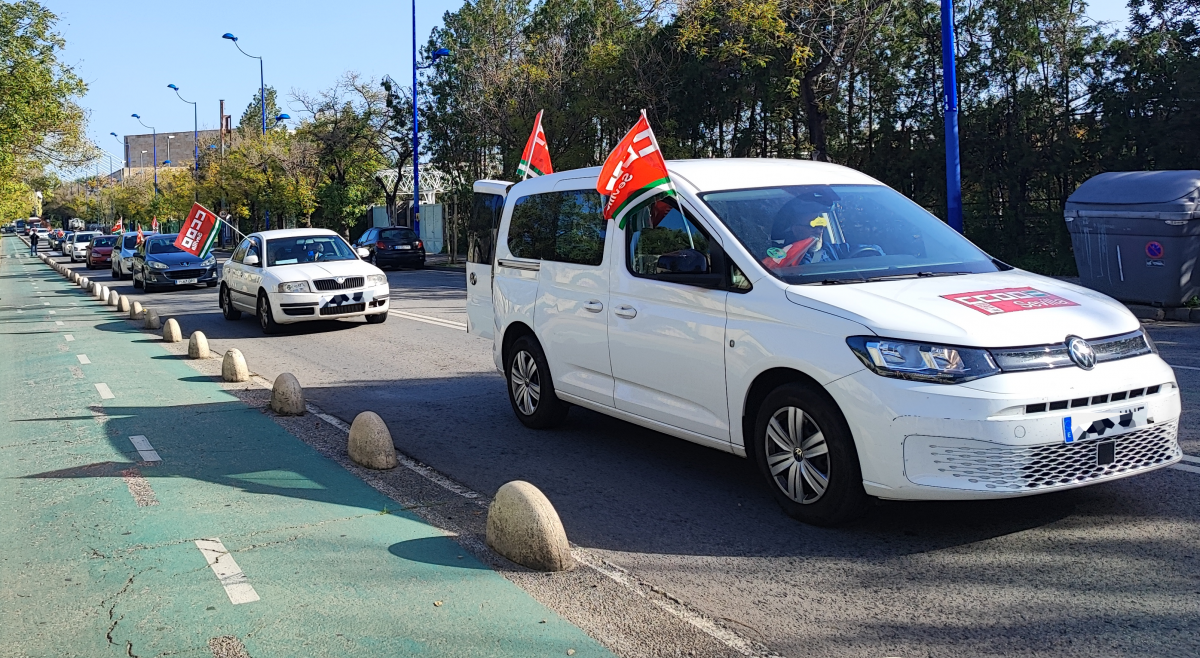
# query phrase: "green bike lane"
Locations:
[[242, 535]]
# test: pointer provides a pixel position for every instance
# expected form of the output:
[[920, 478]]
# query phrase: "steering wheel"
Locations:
[[866, 251]]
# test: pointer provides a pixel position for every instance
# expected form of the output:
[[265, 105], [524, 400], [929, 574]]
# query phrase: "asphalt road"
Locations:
[[1110, 570]]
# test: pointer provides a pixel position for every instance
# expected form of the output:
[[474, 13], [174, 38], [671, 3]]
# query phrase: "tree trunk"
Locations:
[[815, 118]]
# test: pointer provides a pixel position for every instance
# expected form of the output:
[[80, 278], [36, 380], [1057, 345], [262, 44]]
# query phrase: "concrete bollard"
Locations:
[[198, 346], [74, 277], [83, 282], [150, 320], [135, 311], [287, 396], [171, 333], [123, 303], [523, 526], [100, 292], [113, 297], [233, 367], [370, 442]]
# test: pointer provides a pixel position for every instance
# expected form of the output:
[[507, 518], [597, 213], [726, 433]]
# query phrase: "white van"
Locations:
[[810, 318]]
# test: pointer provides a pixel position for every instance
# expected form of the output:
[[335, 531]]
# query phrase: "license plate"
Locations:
[[1103, 425], [180, 282], [404, 246]]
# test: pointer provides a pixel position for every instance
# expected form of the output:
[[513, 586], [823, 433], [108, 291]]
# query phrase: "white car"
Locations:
[[77, 247], [812, 319], [299, 275]]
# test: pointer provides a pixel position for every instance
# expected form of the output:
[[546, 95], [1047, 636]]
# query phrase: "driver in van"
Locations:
[[798, 235]]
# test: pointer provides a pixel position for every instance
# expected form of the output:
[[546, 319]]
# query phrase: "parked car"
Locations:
[[76, 249], [814, 320], [99, 251], [66, 240], [392, 246], [122, 256], [158, 263], [298, 275]]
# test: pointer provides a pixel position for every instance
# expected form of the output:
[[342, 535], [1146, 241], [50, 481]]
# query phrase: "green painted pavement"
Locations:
[[89, 572]]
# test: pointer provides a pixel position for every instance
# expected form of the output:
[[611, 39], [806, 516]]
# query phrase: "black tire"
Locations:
[[537, 406], [265, 319], [377, 318], [804, 412], [227, 309]]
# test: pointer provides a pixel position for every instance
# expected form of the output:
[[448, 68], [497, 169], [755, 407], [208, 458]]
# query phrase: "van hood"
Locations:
[[997, 309]]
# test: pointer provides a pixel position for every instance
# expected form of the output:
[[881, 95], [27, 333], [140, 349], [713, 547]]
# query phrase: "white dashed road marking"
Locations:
[[139, 487], [1186, 367], [58, 322], [45, 303], [53, 312], [83, 359], [147, 451], [68, 337], [451, 324], [1185, 467], [105, 392], [228, 572]]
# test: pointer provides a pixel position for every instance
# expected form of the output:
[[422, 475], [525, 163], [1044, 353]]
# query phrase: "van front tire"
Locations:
[[530, 387]]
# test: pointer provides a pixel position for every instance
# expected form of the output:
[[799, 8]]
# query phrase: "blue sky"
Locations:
[[128, 51]]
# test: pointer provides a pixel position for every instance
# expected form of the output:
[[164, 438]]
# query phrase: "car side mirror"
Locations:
[[363, 252], [683, 261], [250, 261]]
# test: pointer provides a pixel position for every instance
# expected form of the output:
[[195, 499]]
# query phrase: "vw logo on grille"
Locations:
[[1081, 353]]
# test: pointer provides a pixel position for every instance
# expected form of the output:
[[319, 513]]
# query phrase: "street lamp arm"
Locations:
[[239, 47]]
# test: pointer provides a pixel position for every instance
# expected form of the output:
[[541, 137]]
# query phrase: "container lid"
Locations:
[[1134, 187]]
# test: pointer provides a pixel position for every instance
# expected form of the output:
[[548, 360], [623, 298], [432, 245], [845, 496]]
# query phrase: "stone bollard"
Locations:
[[135, 311], [198, 346], [287, 396], [100, 292], [171, 333], [83, 282], [523, 527], [370, 442], [114, 297], [233, 367], [123, 303], [74, 277], [151, 320]]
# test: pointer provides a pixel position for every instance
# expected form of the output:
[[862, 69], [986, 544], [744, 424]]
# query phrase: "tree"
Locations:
[[252, 118]]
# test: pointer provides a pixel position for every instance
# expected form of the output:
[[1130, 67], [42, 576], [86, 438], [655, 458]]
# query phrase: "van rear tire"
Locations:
[[530, 387]]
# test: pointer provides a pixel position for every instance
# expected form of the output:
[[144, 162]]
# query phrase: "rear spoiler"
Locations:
[[497, 187]]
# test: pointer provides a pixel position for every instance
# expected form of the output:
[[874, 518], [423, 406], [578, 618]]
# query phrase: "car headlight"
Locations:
[[294, 286], [376, 279], [922, 362], [211, 260], [157, 265]]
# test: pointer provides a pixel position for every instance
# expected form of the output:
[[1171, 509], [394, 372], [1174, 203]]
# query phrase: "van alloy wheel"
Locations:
[[526, 383], [797, 455]]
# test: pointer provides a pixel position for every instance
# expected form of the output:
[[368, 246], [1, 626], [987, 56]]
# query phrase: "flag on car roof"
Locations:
[[634, 175], [118, 227], [535, 159], [141, 238], [199, 231], [154, 224]]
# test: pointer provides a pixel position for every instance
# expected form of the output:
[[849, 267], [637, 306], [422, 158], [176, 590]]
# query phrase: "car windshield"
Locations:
[[106, 241], [397, 235], [307, 249], [843, 234], [163, 246], [83, 237]]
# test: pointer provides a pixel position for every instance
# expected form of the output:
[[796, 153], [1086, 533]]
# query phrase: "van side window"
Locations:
[[482, 226], [566, 227], [662, 239]]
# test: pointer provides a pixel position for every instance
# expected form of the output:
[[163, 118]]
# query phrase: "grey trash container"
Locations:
[[1136, 235]]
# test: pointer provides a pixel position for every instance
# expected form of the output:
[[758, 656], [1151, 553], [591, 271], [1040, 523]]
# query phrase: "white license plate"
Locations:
[[180, 282], [1104, 425], [404, 246]]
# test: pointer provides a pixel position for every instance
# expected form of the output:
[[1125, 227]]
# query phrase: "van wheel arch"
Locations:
[[511, 334], [762, 386]]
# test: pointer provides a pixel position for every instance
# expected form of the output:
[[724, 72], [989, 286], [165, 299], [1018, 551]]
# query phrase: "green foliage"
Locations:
[[252, 118]]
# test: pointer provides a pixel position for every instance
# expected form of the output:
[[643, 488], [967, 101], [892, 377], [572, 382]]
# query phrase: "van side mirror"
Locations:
[[683, 261], [251, 260]]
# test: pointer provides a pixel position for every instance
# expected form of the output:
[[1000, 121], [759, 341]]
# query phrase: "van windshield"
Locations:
[[843, 234]]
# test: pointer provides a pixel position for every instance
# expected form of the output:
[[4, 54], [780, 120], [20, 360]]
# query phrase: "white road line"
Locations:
[[45, 303], [105, 392], [1189, 458], [58, 322], [147, 451], [1185, 467], [68, 337], [1184, 367], [451, 324], [20, 311], [53, 312], [139, 487], [83, 359], [228, 573]]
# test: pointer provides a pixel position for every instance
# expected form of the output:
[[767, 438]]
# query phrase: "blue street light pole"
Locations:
[[154, 161], [433, 58], [262, 98], [954, 213], [114, 136], [195, 125]]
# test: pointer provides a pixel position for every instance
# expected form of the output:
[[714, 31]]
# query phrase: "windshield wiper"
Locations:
[[914, 275]]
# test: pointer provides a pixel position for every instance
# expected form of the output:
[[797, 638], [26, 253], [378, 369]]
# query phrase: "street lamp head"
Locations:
[[113, 134], [282, 117], [173, 87], [229, 36], [439, 53], [135, 116], [166, 162]]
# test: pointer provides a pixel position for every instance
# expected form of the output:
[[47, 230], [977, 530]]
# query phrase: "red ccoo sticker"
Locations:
[[1008, 300]]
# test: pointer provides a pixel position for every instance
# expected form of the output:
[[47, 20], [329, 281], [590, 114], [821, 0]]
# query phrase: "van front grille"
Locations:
[[1059, 405]]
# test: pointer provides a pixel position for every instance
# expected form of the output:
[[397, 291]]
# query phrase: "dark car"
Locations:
[[99, 251], [392, 246], [158, 263]]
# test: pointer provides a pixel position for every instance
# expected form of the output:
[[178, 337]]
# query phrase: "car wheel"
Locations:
[[377, 318], [804, 449], [265, 319], [227, 308], [530, 388]]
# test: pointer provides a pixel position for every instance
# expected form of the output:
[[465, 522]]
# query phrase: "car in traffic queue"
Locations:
[[158, 263], [122, 254], [392, 246], [99, 251], [810, 318], [301, 275], [76, 247]]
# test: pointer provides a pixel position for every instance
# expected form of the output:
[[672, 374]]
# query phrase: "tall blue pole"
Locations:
[[954, 214], [154, 137], [416, 134]]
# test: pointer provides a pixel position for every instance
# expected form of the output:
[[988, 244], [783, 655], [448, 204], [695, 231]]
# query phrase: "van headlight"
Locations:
[[376, 280], [923, 362], [294, 286]]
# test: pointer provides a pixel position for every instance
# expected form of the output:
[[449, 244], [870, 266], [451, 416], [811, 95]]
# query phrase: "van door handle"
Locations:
[[594, 306], [625, 311]]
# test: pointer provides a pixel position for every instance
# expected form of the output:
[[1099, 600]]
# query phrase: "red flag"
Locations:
[[141, 238], [154, 224], [634, 175], [199, 231], [535, 159], [118, 227]]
